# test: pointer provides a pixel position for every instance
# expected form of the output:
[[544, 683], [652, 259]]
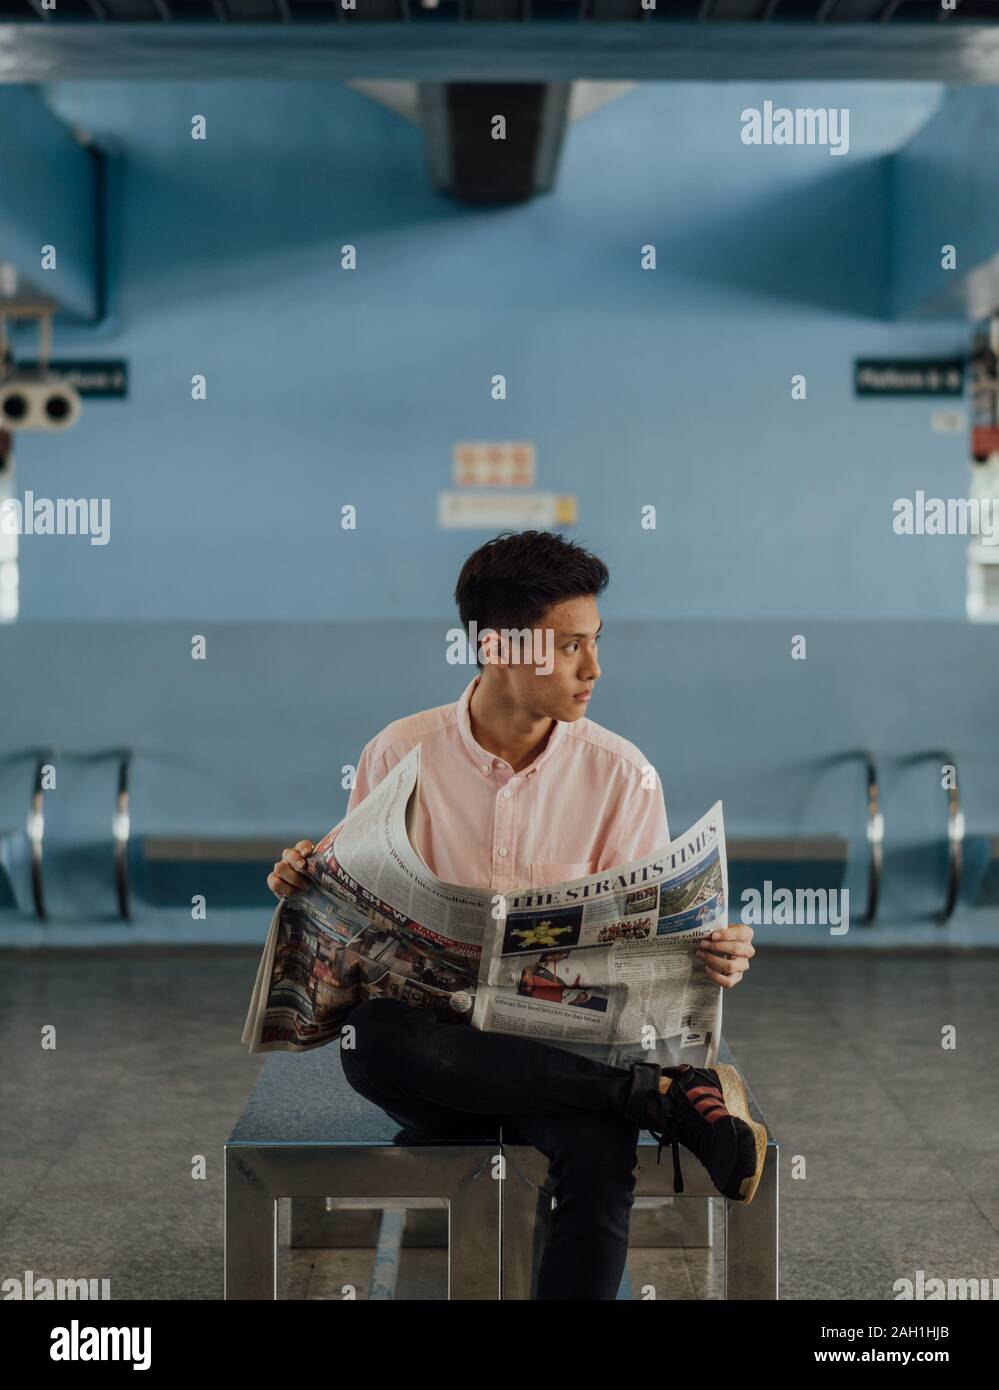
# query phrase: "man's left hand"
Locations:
[[725, 954]]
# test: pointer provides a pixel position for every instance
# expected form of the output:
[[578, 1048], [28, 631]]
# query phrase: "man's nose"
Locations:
[[591, 668]]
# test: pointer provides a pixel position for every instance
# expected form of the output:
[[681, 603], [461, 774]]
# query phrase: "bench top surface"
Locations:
[[304, 1097]]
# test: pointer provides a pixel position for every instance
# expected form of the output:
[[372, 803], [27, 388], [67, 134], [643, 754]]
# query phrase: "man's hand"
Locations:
[[725, 954], [285, 878]]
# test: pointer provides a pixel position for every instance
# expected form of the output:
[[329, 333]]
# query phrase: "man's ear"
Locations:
[[494, 649]]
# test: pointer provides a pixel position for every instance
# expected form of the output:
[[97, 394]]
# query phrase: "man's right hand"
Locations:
[[286, 878]]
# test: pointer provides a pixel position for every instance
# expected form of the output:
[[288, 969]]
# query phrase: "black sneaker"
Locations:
[[707, 1111]]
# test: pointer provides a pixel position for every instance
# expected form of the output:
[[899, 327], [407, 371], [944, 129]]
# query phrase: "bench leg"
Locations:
[[686, 1224], [526, 1207], [473, 1245], [250, 1231], [751, 1238]]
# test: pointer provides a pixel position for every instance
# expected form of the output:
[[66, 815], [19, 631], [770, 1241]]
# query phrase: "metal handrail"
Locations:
[[955, 846], [874, 826], [120, 828], [955, 830], [36, 837], [875, 839]]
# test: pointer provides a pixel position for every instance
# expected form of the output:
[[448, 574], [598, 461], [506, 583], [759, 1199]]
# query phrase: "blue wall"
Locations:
[[327, 387]]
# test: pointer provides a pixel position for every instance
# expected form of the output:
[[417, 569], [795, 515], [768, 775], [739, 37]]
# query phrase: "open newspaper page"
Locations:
[[376, 923], [309, 977], [605, 965]]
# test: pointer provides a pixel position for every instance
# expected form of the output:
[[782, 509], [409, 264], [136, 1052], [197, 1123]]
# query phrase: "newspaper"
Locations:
[[603, 965]]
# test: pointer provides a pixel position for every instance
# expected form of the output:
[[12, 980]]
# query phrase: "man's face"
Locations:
[[548, 675]]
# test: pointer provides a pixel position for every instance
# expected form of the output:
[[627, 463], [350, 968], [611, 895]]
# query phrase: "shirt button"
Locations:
[[505, 792], [502, 851], [485, 768]]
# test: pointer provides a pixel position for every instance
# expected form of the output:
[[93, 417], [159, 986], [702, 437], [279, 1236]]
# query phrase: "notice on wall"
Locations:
[[494, 465], [496, 510]]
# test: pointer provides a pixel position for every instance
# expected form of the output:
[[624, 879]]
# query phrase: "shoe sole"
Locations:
[[736, 1100]]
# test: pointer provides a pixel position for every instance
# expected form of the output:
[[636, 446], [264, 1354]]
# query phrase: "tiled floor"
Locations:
[[889, 1142]]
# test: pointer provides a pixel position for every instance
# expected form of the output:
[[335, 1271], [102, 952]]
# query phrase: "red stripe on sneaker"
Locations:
[[708, 1103], [705, 1093]]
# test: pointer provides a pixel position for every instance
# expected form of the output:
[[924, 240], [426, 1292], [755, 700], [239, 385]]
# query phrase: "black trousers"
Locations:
[[441, 1080]]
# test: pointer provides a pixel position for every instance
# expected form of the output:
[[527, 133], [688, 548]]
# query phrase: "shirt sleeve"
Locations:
[[640, 826]]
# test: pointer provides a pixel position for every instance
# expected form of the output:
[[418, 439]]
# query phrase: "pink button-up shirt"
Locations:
[[579, 808]]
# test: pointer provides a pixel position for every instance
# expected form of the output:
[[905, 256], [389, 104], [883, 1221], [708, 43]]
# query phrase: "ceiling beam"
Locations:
[[537, 51], [464, 159]]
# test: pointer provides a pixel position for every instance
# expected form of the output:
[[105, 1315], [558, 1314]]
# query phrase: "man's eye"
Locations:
[[570, 645]]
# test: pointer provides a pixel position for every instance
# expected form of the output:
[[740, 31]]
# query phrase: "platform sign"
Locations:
[[90, 377], [912, 376]]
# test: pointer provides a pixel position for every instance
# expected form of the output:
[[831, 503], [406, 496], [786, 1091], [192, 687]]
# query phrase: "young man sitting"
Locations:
[[520, 788]]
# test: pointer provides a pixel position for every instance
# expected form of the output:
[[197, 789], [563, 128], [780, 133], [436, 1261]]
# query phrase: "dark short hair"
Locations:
[[512, 580]]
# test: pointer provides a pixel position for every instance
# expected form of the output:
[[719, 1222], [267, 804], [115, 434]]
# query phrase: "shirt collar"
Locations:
[[484, 759]]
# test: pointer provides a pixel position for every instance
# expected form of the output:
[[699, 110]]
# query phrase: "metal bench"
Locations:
[[307, 1135]]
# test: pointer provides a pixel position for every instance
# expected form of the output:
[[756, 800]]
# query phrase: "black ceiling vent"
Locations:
[[466, 160]]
